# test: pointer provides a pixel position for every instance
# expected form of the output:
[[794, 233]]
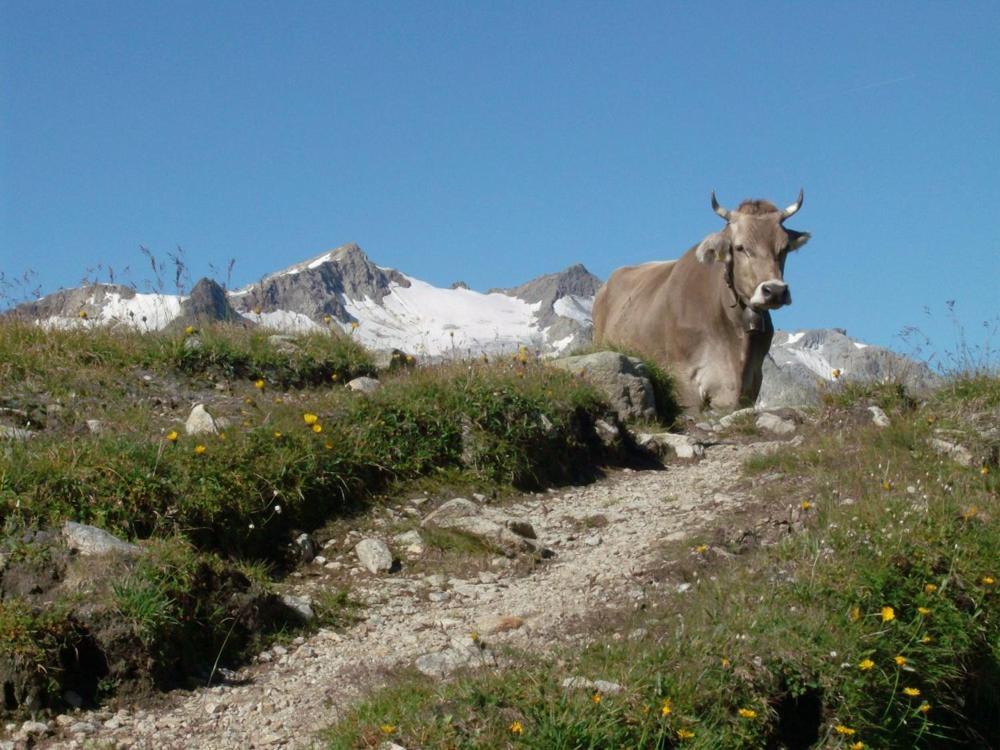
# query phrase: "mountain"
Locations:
[[386, 309], [800, 364]]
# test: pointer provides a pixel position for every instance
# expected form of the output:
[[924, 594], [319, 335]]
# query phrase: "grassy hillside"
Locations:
[[876, 625], [95, 425]]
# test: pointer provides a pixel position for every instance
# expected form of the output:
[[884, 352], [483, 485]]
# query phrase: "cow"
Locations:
[[705, 317]]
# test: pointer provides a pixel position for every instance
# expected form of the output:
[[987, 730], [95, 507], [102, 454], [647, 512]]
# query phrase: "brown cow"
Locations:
[[705, 317]]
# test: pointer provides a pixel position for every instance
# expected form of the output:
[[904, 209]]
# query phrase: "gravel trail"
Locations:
[[305, 686]]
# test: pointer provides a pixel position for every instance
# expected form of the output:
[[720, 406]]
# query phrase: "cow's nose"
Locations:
[[776, 291]]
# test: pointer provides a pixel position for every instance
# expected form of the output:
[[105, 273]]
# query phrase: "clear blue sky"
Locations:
[[496, 141]]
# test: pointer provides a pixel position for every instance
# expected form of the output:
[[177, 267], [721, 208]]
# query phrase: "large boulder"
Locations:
[[623, 380], [509, 535]]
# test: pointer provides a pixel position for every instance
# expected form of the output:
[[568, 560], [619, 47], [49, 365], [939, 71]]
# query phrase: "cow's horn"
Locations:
[[723, 212], [790, 211]]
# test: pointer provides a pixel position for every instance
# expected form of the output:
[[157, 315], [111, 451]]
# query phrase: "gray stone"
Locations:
[[463, 653], [879, 417], [13, 433], [622, 379], [90, 540], [775, 424], [728, 420], [363, 384], [375, 555], [81, 727], [95, 426], [33, 728], [954, 451], [666, 444], [600, 686], [300, 606], [466, 517], [409, 537], [200, 422], [607, 433]]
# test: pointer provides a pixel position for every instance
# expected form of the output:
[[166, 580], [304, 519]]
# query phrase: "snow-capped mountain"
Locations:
[[382, 307], [387, 309]]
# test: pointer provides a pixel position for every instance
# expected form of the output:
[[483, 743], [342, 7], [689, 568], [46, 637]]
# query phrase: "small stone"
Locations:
[[773, 423], [375, 555], [96, 426], [200, 422], [319, 560], [879, 417], [30, 728], [499, 624], [363, 384], [214, 708], [90, 540], [81, 727], [301, 606]]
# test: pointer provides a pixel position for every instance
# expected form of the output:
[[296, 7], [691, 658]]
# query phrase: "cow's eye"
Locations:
[[741, 249]]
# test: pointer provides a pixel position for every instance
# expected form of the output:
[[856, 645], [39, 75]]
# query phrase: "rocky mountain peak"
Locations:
[[575, 280], [207, 303]]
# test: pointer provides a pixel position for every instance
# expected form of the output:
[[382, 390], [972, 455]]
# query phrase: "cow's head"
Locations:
[[754, 245]]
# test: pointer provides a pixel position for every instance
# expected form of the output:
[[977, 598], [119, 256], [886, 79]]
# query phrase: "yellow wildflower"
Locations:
[[328, 445], [259, 384], [684, 734], [189, 330], [387, 728], [317, 428], [985, 470], [971, 512], [923, 611], [888, 614], [841, 729], [597, 697], [725, 662], [927, 639], [859, 745], [335, 377], [911, 691], [277, 434], [327, 318], [987, 580], [354, 325], [855, 614], [836, 373], [747, 713], [666, 708], [865, 665], [886, 484], [930, 588], [701, 549], [900, 660], [806, 505], [517, 728], [310, 418], [924, 707], [172, 436], [199, 449], [83, 314]]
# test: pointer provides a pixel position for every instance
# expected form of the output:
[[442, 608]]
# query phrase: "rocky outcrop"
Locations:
[[208, 303], [800, 365], [622, 379], [318, 287]]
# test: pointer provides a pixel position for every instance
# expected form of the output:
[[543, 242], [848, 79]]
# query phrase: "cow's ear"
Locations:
[[715, 248], [797, 239]]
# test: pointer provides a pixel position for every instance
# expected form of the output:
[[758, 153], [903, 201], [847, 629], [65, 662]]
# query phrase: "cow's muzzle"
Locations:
[[770, 295]]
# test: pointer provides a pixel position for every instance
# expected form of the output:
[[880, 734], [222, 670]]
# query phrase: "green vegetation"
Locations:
[[876, 625], [215, 513]]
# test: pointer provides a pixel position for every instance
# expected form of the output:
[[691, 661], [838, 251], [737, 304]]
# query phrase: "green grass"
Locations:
[[796, 635]]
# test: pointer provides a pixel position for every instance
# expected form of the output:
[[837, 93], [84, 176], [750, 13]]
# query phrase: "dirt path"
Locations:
[[596, 567]]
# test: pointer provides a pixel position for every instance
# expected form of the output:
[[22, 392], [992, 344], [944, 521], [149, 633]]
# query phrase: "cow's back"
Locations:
[[629, 296]]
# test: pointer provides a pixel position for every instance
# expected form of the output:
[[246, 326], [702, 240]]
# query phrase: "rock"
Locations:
[[954, 451], [622, 379], [301, 606], [375, 555], [465, 516], [81, 727], [668, 443], [33, 729], [283, 343], [609, 434], [90, 540], [879, 417], [599, 686], [363, 384], [95, 426], [407, 538], [13, 433], [306, 547], [462, 653], [728, 420], [522, 528], [773, 423], [200, 422]]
